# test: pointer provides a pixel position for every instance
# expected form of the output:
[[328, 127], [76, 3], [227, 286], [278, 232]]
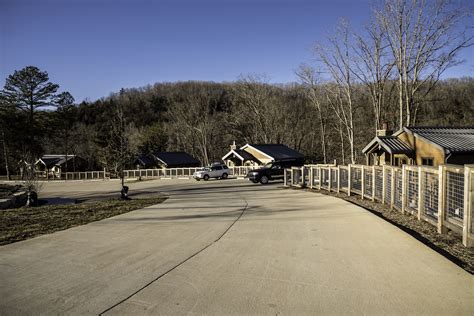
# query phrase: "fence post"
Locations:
[[421, 193], [373, 183], [441, 198], [467, 233], [311, 177], [285, 182], [362, 186], [404, 187], [338, 178], [349, 179], [384, 184], [392, 188]]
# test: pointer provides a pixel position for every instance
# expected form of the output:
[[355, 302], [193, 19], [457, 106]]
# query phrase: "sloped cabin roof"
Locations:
[[55, 160], [276, 151], [451, 139], [145, 160], [239, 153], [390, 144], [173, 159]]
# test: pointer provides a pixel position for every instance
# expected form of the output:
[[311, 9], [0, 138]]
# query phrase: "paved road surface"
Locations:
[[229, 247]]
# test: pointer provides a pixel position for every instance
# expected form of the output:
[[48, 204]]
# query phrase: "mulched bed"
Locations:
[[27, 222], [449, 244]]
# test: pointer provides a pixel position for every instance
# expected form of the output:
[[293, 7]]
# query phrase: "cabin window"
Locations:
[[427, 161]]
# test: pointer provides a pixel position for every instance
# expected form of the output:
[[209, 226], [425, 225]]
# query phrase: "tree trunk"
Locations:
[[5, 154]]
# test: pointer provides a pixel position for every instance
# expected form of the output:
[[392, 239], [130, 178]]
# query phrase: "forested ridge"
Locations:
[[389, 72], [204, 118]]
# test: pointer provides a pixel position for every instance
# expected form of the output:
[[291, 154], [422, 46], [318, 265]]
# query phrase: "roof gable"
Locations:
[[239, 153], [390, 144]]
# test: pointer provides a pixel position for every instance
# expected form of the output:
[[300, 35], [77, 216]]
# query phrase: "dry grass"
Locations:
[[24, 223], [7, 190]]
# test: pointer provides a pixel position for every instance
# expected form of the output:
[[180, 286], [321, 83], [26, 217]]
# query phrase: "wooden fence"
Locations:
[[168, 173], [443, 196]]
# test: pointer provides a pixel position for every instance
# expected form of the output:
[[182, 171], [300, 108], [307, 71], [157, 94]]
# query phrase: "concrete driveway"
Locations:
[[229, 247]]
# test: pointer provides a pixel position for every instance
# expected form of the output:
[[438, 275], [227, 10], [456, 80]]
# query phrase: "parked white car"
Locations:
[[214, 171]]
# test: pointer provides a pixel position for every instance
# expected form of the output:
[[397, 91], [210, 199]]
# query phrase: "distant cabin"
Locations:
[[57, 164], [430, 146], [260, 154], [166, 159]]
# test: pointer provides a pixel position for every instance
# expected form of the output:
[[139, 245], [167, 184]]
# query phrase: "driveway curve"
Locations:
[[229, 247]]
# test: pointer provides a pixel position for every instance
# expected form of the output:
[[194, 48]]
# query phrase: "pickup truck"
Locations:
[[271, 171]]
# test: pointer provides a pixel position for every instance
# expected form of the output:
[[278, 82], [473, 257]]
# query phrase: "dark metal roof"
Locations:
[[177, 159], [390, 144], [145, 160], [451, 139], [278, 151]]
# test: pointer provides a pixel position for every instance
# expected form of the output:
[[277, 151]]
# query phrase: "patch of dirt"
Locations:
[[28, 222], [449, 244]]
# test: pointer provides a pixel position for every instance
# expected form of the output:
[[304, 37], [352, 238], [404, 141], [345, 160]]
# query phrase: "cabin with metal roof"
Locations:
[[260, 154], [56, 164], [417, 145]]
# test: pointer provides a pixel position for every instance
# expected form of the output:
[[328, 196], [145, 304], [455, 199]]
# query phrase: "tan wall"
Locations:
[[264, 159], [424, 149]]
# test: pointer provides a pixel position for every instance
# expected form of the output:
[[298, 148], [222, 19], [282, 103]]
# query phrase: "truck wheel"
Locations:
[[206, 177], [224, 176], [264, 180]]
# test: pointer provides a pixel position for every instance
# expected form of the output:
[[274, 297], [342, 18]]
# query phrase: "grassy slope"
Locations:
[[24, 223]]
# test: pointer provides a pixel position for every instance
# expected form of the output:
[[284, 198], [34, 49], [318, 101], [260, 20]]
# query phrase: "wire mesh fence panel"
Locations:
[[343, 178], [430, 196], [325, 178], [412, 188], [306, 175], [397, 200], [296, 178], [368, 185], [287, 177], [454, 198], [356, 179], [315, 178], [334, 179], [378, 185]]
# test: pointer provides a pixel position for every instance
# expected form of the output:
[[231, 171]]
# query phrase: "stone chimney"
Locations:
[[233, 146], [384, 131]]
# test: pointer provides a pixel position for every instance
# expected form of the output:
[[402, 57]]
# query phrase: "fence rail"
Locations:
[[140, 173], [442, 196]]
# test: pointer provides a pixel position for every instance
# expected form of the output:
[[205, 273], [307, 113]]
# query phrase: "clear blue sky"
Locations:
[[92, 48]]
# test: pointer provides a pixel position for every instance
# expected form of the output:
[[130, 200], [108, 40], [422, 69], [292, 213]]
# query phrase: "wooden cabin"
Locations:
[[415, 145]]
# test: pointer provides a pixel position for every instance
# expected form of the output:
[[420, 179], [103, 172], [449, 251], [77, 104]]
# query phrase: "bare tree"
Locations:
[[373, 67], [119, 151], [425, 38], [309, 78], [254, 109], [197, 120], [336, 57]]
